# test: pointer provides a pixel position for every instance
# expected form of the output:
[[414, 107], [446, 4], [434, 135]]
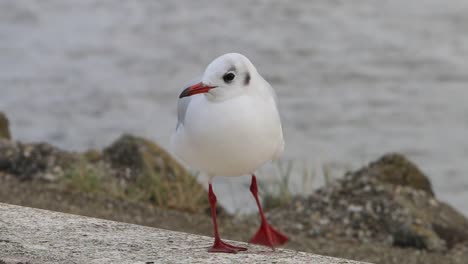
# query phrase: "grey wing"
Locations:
[[182, 106], [280, 147]]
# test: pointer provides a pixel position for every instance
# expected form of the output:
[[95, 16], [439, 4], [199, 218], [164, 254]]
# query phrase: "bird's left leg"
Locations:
[[266, 234]]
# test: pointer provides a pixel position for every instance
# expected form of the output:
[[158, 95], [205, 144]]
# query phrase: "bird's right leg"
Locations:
[[219, 245]]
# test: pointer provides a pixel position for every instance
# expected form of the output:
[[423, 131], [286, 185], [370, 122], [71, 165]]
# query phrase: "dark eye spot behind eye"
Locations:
[[228, 77], [247, 79]]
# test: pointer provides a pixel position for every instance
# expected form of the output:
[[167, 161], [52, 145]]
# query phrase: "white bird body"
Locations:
[[232, 137], [229, 125], [233, 129]]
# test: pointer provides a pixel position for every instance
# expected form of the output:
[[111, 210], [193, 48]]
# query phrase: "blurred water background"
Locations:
[[355, 79]]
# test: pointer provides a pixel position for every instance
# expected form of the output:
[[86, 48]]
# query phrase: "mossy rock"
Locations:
[[33, 161], [390, 201], [135, 155], [417, 236], [151, 173], [397, 170], [92, 155], [440, 218], [4, 127]]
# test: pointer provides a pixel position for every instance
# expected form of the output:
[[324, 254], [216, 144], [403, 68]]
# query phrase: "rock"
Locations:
[[438, 218], [133, 168], [460, 250], [142, 163], [397, 170], [33, 161], [92, 155], [389, 202], [417, 236], [4, 127], [134, 156]]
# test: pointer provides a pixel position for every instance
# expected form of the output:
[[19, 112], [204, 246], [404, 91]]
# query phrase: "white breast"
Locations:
[[229, 138]]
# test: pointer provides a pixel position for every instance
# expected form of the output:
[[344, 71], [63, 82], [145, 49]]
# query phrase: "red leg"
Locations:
[[219, 245], [266, 234]]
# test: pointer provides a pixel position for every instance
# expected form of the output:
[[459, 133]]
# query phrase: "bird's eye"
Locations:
[[228, 77]]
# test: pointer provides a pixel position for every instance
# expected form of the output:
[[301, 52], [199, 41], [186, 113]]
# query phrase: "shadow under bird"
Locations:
[[229, 125]]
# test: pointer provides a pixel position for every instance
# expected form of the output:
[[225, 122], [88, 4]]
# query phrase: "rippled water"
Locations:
[[355, 78]]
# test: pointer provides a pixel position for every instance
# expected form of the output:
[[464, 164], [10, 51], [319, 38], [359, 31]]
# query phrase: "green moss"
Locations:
[[92, 155], [154, 175], [397, 170], [137, 169], [87, 177], [4, 127]]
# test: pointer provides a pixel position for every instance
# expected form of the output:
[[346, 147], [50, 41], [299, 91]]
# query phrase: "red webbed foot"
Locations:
[[220, 246], [268, 236]]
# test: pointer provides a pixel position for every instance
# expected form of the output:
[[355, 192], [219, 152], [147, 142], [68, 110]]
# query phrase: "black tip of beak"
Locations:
[[186, 92]]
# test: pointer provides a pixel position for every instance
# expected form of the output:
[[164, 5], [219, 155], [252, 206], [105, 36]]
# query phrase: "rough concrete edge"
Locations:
[[40, 236]]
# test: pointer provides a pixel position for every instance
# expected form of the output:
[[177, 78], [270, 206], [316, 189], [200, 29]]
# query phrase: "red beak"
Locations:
[[196, 89]]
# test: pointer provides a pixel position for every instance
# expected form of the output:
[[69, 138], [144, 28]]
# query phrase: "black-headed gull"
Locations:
[[229, 125]]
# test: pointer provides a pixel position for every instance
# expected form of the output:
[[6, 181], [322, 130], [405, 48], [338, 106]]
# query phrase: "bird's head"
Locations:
[[227, 76]]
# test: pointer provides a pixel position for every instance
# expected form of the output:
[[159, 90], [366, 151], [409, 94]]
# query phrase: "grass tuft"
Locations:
[[85, 177], [182, 193], [279, 191]]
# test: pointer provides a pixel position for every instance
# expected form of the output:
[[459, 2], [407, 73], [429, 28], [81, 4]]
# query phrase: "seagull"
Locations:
[[229, 125]]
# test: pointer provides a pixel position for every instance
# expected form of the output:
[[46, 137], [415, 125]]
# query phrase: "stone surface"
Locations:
[[38, 236]]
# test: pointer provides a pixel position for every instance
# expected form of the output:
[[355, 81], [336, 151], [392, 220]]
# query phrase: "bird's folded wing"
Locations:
[[182, 106]]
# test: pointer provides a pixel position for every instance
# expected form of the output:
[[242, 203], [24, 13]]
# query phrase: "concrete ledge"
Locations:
[[39, 236]]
